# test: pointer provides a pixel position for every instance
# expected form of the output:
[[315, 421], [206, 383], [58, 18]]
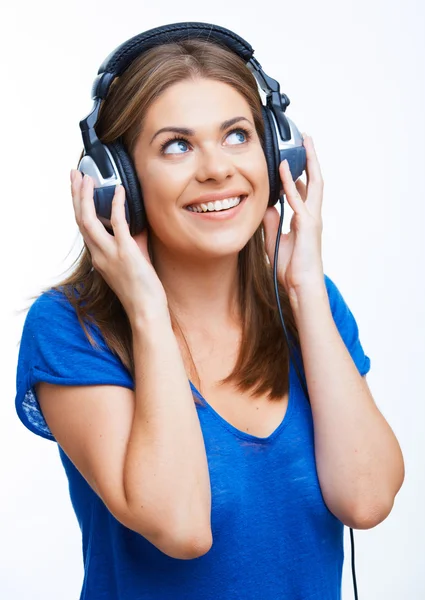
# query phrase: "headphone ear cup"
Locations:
[[130, 181], [271, 152]]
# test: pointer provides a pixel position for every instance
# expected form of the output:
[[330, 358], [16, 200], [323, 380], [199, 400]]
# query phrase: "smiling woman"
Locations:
[[232, 486]]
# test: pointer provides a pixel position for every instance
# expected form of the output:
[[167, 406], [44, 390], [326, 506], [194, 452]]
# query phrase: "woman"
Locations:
[[235, 487]]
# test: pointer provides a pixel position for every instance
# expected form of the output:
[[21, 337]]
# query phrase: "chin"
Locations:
[[219, 251]]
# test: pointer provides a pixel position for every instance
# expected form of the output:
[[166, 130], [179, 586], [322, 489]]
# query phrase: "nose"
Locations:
[[214, 164]]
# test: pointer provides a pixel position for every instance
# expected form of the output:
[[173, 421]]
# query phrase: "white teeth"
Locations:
[[215, 206]]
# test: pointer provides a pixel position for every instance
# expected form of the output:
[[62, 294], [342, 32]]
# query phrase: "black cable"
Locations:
[[302, 382]]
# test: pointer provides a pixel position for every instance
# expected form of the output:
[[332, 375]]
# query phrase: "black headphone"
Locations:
[[110, 164]]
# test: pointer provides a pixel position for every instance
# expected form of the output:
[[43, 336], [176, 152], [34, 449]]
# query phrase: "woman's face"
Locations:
[[219, 154]]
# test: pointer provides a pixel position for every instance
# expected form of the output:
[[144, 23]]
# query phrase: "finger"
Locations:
[[118, 220], [314, 173], [291, 192], [75, 186], [314, 176], [93, 231], [302, 189]]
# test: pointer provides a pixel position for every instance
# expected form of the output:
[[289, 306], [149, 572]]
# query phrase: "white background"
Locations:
[[354, 72]]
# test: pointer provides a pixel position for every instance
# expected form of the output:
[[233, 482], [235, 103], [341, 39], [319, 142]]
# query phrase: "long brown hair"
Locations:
[[263, 362]]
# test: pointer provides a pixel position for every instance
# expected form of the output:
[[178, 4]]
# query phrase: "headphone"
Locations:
[[110, 164]]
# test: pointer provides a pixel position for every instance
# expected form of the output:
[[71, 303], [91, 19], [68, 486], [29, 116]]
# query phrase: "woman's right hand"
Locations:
[[121, 259]]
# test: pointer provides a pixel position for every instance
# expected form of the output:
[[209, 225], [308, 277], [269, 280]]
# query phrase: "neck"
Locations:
[[203, 295]]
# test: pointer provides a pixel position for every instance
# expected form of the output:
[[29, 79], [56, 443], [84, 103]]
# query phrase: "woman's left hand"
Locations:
[[300, 251]]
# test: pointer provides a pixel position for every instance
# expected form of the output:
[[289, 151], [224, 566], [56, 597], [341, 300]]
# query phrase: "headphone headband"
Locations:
[[118, 60]]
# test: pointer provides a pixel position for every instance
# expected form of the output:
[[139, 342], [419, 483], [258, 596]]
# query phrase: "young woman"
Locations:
[[197, 467]]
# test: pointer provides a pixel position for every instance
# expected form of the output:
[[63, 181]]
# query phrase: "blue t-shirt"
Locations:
[[273, 536]]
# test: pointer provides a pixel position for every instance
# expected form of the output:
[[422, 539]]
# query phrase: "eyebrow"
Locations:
[[191, 132]]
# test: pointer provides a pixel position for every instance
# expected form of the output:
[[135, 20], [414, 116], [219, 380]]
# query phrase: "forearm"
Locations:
[[166, 471], [359, 461]]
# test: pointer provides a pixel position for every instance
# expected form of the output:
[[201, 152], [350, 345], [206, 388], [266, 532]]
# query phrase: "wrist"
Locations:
[[303, 296], [147, 320]]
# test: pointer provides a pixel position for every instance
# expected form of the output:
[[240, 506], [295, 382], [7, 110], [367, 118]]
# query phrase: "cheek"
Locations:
[[166, 180], [257, 174], [160, 188]]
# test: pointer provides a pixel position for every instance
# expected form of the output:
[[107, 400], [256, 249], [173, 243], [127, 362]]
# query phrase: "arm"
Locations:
[[359, 461], [166, 446], [142, 452]]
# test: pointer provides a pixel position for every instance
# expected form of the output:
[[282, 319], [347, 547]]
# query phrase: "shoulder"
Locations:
[[347, 326], [53, 317], [333, 292], [49, 306], [339, 307], [51, 303], [55, 341]]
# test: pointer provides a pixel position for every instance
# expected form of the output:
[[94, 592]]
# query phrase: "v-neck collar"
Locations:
[[248, 436]]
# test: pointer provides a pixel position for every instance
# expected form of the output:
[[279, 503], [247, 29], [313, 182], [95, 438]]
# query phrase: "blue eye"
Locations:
[[177, 142], [240, 132]]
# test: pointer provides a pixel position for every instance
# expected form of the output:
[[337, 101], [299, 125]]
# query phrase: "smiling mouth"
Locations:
[[216, 207]]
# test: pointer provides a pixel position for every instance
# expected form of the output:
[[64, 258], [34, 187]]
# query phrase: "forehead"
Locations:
[[196, 103]]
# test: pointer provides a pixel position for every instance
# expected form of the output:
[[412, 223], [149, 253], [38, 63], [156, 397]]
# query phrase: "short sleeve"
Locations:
[[54, 348], [347, 327]]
